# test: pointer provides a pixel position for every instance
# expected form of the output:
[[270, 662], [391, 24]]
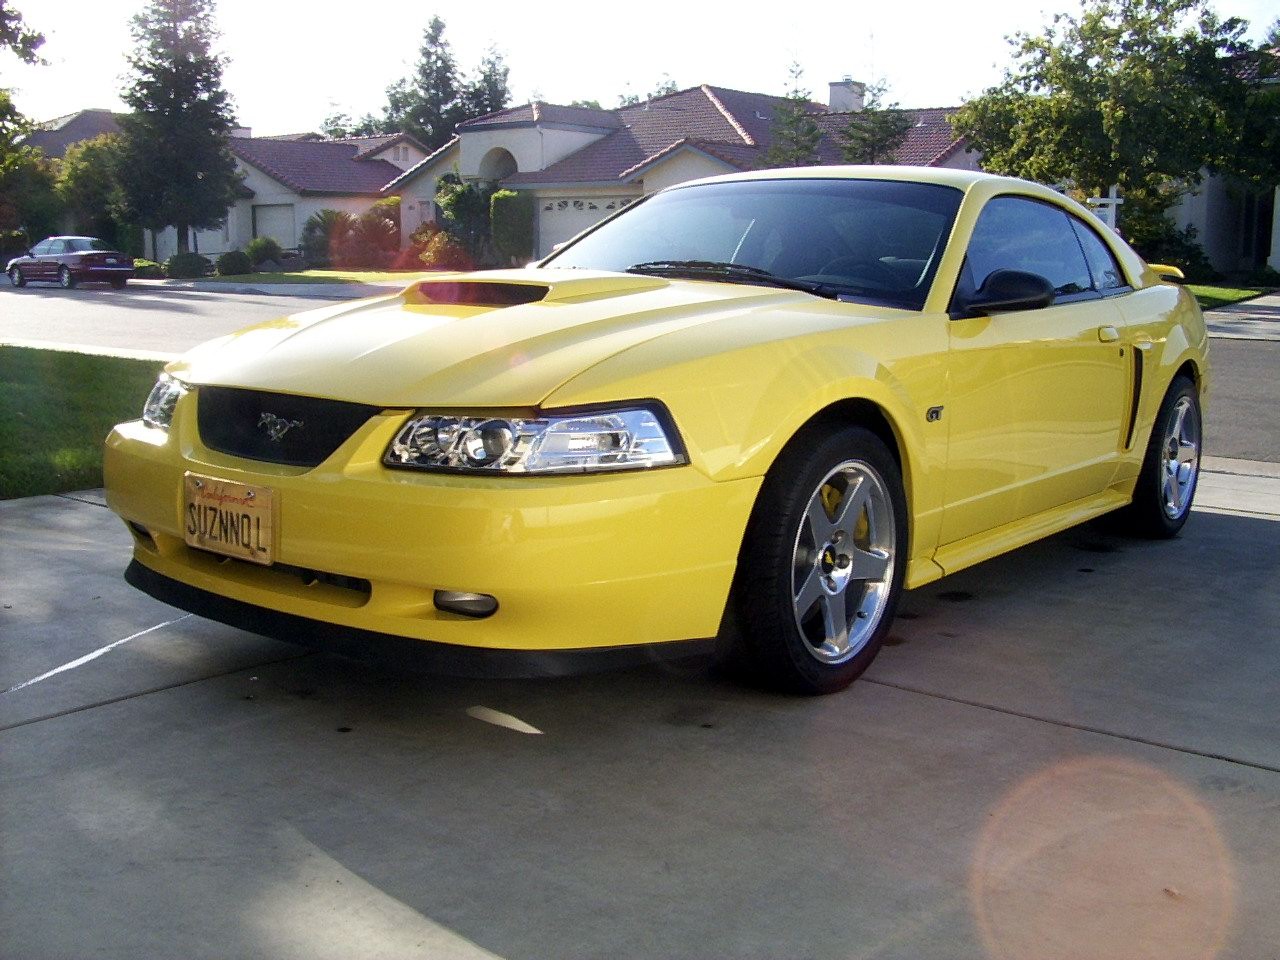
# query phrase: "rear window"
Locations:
[[84, 244]]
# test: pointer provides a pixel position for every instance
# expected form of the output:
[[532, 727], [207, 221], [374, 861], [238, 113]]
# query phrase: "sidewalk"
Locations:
[[1256, 319], [318, 291]]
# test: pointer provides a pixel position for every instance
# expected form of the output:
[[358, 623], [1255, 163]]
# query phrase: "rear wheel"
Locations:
[[16, 277], [1171, 468], [823, 560], [66, 278]]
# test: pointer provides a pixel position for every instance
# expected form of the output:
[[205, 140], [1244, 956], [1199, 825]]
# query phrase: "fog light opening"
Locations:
[[141, 534], [478, 605]]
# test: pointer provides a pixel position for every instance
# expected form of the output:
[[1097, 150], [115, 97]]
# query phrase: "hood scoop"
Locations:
[[479, 293]]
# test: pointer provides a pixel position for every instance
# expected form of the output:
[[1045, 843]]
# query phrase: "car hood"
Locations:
[[432, 344]]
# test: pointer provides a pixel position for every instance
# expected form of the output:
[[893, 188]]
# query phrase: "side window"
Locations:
[[41, 249], [56, 247], [1014, 233], [1107, 274]]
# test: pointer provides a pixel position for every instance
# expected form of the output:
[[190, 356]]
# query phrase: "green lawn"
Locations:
[[326, 276], [55, 409], [1211, 297]]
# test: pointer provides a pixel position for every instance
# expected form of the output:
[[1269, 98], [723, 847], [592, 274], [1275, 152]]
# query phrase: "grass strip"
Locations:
[[56, 407], [1211, 297]]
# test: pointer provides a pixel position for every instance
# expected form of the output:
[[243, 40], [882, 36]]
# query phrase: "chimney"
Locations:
[[847, 95], [242, 133]]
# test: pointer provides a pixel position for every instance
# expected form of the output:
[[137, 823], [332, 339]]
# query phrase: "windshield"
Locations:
[[82, 244], [872, 241]]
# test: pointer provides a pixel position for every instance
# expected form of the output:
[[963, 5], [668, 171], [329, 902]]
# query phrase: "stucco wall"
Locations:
[[681, 167], [1215, 214], [534, 148], [417, 195]]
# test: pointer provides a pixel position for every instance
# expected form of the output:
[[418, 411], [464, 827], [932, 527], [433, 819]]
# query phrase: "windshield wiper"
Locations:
[[729, 272]]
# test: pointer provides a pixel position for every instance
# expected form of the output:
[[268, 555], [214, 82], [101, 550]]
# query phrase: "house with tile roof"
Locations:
[[53, 137], [581, 163], [288, 178]]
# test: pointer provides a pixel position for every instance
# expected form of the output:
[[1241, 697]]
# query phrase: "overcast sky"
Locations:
[[292, 61]]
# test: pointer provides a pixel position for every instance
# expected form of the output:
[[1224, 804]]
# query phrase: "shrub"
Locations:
[[388, 207], [234, 262], [511, 218], [1264, 276], [262, 249], [443, 252], [147, 269], [1158, 240], [373, 241], [187, 266], [325, 235], [465, 215]]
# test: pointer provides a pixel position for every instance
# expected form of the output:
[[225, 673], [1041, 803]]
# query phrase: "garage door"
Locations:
[[275, 220], [562, 219]]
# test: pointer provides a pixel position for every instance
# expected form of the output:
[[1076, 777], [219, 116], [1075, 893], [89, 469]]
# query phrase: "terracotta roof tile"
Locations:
[[316, 166]]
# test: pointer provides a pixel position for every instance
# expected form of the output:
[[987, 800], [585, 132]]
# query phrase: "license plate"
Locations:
[[111, 259], [229, 518]]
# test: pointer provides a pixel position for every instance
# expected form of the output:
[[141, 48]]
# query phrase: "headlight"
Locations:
[[627, 438], [164, 396]]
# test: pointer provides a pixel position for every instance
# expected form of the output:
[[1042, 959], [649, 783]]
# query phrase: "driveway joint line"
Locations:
[[144, 693], [1071, 725], [92, 503]]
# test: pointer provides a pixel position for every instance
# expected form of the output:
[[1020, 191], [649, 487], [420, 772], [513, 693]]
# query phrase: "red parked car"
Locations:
[[70, 260]]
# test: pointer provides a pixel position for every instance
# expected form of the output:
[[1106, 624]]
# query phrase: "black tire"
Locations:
[[16, 277], [66, 278], [777, 643], [1155, 512]]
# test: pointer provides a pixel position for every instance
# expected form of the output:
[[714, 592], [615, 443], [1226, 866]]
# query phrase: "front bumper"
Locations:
[[575, 562]]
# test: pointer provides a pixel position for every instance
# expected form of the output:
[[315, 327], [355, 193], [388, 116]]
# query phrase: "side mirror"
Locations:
[[1006, 290], [1168, 273]]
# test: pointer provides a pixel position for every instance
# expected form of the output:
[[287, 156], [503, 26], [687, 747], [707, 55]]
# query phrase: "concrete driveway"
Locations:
[[1067, 752]]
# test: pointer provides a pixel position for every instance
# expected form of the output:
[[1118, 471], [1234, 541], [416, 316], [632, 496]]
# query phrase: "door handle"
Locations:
[[1108, 334]]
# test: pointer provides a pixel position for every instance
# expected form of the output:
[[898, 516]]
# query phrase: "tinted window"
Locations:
[[1107, 274], [1017, 234], [869, 240], [56, 247], [42, 248]]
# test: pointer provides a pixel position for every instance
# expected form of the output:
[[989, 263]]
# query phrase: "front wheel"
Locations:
[[66, 279], [823, 561], [16, 277], [1171, 467]]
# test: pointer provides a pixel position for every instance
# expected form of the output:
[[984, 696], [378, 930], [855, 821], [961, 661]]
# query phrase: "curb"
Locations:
[[316, 291]]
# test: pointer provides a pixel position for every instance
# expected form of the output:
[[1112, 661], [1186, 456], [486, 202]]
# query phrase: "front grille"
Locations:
[[306, 429]]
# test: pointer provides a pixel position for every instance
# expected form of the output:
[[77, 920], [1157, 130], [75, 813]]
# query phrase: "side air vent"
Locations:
[[481, 293]]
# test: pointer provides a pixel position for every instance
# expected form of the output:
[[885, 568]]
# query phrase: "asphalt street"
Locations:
[[1070, 751]]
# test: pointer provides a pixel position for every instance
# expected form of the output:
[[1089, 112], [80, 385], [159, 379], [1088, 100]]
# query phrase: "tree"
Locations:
[[589, 104], [1144, 94], [177, 168], [425, 105], [875, 132], [663, 87], [795, 133], [488, 90], [26, 180], [1272, 38], [16, 36], [88, 186]]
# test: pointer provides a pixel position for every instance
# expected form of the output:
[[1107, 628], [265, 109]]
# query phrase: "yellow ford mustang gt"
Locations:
[[748, 410]]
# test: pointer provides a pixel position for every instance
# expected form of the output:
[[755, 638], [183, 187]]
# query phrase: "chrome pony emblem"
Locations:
[[277, 427]]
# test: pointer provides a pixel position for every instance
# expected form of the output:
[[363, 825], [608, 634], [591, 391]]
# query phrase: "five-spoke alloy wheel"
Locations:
[[823, 559], [1167, 484]]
